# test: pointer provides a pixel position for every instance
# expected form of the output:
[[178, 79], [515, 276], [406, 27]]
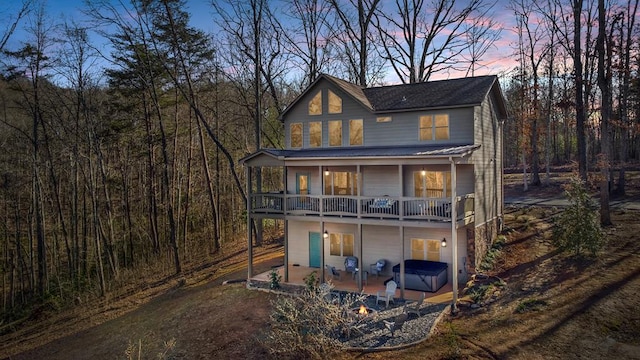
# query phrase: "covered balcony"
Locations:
[[382, 207]]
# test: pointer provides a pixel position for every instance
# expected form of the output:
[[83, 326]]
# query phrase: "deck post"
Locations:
[[454, 237], [249, 227]]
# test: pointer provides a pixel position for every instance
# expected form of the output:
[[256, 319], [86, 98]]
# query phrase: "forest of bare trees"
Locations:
[[121, 131]]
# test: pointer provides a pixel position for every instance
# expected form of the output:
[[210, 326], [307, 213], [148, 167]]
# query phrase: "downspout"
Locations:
[[454, 236]]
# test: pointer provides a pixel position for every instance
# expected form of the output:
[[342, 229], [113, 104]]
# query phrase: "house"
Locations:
[[396, 172]]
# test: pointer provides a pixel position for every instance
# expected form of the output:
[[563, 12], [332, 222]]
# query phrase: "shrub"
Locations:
[[308, 326], [577, 229], [311, 281], [274, 279]]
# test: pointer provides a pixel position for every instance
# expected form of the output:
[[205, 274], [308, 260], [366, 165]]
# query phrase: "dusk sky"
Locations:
[[497, 60]]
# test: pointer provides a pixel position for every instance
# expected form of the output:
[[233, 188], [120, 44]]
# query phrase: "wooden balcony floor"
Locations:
[[371, 287]]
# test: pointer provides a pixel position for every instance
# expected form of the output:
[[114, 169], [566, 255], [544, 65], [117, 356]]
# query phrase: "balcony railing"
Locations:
[[384, 207]]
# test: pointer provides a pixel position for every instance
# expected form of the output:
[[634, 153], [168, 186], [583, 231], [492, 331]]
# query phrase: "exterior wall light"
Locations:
[[444, 242], [326, 234]]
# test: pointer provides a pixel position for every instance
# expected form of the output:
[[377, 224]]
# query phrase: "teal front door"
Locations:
[[315, 247]]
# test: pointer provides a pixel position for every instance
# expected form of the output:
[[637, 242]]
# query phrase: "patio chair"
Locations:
[[377, 268], [335, 273], [388, 294], [396, 324], [351, 264], [414, 307]]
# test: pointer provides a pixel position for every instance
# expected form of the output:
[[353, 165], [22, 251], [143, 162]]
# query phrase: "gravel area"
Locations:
[[371, 332]]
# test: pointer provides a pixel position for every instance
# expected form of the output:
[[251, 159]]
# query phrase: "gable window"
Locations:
[[434, 127], [340, 183], [315, 105], [432, 184], [335, 103], [341, 244], [335, 133], [315, 134], [425, 249], [296, 135], [355, 132]]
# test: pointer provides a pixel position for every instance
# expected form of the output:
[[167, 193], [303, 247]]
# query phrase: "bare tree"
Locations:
[[357, 39], [311, 36], [626, 29], [433, 36], [12, 24]]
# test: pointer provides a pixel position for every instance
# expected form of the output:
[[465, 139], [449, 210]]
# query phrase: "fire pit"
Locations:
[[363, 311]]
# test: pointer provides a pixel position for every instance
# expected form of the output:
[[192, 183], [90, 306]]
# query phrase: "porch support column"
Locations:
[[401, 193], [249, 227], [322, 277], [360, 262], [286, 226], [454, 236], [401, 233], [359, 190]]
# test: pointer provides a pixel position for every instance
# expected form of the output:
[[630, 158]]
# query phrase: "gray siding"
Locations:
[[488, 163], [402, 130]]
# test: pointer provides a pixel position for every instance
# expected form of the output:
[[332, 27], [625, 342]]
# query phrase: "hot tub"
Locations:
[[422, 275]]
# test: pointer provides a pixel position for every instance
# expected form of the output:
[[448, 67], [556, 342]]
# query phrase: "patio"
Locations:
[[370, 287], [372, 333]]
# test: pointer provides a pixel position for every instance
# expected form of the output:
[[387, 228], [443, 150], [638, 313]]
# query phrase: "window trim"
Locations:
[[353, 179], [331, 132], [317, 97], [333, 96], [425, 249], [361, 121], [311, 145], [291, 135], [446, 182], [433, 128], [341, 238]]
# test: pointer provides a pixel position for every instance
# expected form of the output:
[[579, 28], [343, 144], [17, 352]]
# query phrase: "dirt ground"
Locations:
[[552, 307]]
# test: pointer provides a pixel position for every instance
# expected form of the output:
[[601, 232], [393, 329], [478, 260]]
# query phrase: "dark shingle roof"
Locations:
[[433, 94]]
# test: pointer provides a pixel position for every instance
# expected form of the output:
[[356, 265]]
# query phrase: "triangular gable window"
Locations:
[[315, 105], [335, 103]]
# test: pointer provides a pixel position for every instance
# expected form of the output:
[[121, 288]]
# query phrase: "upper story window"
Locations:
[[296, 135], [335, 103], [434, 127], [432, 184], [355, 132], [383, 119], [340, 183], [335, 133], [315, 104], [315, 134]]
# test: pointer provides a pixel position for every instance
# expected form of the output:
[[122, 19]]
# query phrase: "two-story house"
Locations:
[[395, 172]]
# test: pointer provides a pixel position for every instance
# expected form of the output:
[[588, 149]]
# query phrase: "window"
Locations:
[[315, 105], [315, 134], [422, 249], [340, 183], [383, 119], [335, 103], [341, 244], [432, 184], [355, 132], [335, 133], [296, 135], [434, 127]]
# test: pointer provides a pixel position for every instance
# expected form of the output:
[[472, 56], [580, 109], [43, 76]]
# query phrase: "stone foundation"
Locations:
[[479, 240]]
